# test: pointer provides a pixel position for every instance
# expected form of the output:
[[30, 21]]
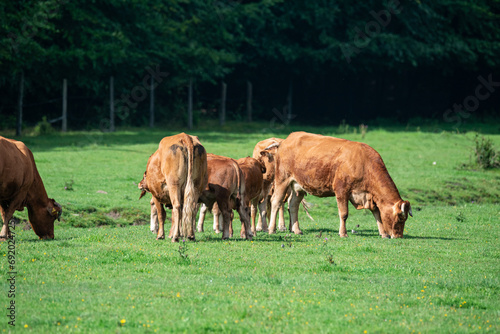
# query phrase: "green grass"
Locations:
[[105, 266]]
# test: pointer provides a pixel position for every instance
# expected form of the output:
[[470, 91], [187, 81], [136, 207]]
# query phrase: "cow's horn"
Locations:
[[271, 146], [142, 194]]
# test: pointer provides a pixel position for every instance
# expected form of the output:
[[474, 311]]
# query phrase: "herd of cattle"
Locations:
[[182, 176]]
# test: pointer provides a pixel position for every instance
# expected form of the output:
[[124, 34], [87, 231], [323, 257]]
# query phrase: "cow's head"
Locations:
[[42, 219], [393, 219], [268, 161]]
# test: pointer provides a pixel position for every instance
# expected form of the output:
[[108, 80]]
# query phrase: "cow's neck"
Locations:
[[37, 195], [384, 190]]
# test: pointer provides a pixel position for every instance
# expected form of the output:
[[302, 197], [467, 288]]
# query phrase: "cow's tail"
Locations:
[[190, 199], [241, 184], [306, 207]]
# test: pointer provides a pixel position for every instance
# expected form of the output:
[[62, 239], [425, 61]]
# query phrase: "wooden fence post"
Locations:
[[20, 106], [65, 106], [222, 115], [249, 101], [152, 104], [190, 104], [111, 104]]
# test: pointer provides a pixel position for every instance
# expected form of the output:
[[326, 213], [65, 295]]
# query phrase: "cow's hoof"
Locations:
[[298, 232], [259, 229], [217, 231], [160, 238], [175, 240], [3, 238], [272, 232], [343, 235], [192, 238], [385, 236], [230, 235], [282, 229]]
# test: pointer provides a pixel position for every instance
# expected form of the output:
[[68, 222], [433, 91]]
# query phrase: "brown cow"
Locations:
[[327, 166], [267, 158], [176, 175], [226, 186], [252, 172], [21, 186]]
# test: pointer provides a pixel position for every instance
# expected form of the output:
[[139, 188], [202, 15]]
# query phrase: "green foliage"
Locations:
[[266, 41], [486, 154]]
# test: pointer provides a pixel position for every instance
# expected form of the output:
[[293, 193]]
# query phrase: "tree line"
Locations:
[[153, 62]]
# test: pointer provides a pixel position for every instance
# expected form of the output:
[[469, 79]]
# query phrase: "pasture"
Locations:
[[105, 272]]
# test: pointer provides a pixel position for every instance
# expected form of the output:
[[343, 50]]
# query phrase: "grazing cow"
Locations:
[[21, 186], [176, 175], [252, 172], [226, 186], [327, 166]]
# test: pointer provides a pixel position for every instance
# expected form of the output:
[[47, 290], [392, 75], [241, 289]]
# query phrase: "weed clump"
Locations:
[[43, 127], [485, 154]]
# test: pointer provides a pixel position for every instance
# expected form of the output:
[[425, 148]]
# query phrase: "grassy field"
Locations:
[[105, 272]]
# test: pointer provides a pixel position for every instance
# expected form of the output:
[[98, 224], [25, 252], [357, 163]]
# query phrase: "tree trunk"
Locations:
[[152, 104], [20, 106], [222, 115], [65, 106], [249, 101], [190, 104], [289, 100], [111, 104]]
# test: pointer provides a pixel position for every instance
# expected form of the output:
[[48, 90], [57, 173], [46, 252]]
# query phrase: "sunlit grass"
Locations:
[[442, 277]]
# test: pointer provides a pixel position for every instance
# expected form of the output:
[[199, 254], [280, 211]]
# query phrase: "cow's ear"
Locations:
[[406, 209], [267, 154], [263, 168], [52, 211]]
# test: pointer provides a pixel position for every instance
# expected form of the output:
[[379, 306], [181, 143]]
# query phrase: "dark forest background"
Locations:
[[311, 62]]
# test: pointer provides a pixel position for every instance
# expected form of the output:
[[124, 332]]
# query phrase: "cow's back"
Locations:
[[16, 168], [223, 172], [252, 172], [170, 166], [315, 161]]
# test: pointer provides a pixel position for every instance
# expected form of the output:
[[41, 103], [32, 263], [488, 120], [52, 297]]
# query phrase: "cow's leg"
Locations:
[[226, 214], [246, 228], [153, 224], [342, 203], [264, 208], [253, 213], [293, 208], [231, 224], [281, 218], [6, 217], [201, 219], [276, 202], [281, 221], [176, 221], [161, 219], [381, 230], [217, 218]]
